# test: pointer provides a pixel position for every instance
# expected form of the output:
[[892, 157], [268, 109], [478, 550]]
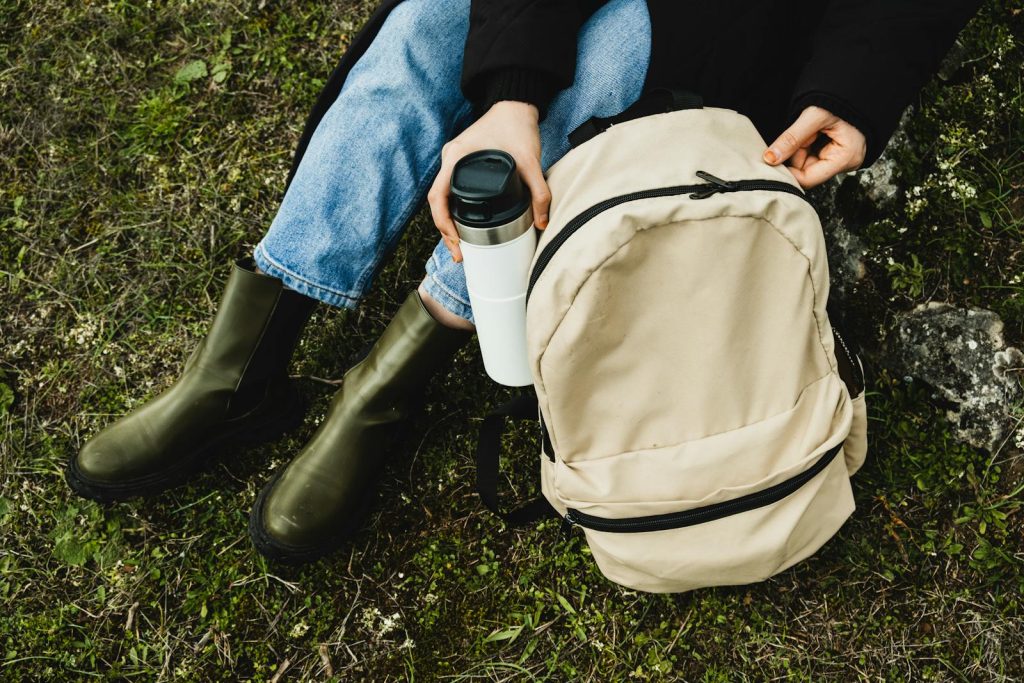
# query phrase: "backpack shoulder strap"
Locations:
[[488, 451], [655, 101]]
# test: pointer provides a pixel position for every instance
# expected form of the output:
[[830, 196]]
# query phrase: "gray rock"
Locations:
[[845, 257], [880, 181], [961, 353], [953, 61]]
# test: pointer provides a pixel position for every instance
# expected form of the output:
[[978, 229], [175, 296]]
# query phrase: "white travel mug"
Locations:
[[492, 211]]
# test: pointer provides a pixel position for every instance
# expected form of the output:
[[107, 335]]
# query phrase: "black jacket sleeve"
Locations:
[[869, 59], [520, 50]]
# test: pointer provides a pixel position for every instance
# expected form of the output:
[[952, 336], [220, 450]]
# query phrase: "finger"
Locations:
[[799, 158], [540, 195], [849, 142], [801, 134], [836, 158], [440, 213], [444, 225], [816, 171]]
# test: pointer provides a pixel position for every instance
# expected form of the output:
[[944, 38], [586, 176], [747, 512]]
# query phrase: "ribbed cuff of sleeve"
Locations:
[[523, 85], [846, 112]]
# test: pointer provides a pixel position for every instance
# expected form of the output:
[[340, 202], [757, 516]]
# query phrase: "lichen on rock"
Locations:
[[845, 257], [961, 354]]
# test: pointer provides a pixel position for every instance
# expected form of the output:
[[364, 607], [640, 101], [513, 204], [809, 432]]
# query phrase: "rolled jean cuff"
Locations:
[[452, 302], [292, 280]]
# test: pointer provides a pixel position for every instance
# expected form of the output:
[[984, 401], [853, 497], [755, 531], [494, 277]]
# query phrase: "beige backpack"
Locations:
[[701, 415]]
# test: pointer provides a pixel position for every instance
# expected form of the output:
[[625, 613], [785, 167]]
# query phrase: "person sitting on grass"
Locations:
[[424, 83]]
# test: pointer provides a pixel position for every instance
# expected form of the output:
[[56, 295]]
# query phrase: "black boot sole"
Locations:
[[248, 432]]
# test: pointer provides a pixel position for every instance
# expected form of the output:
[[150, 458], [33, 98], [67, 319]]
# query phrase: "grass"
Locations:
[[144, 145]]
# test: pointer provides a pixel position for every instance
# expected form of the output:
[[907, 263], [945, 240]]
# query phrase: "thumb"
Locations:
[[540, 195], [802, 133]]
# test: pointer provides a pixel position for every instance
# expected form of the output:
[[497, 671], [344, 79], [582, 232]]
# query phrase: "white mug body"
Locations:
[[497, 277]]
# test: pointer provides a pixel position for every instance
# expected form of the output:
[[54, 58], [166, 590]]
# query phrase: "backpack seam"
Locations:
[[724, 431], [832, 369]]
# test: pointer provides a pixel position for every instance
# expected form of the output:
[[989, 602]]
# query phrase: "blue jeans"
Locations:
[[377, 150]]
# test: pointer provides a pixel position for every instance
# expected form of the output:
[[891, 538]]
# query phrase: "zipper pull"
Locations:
[[724, 184], [716, 185]]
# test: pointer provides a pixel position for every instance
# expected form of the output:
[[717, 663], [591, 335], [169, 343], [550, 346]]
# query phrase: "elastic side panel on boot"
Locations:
[[268, 364]]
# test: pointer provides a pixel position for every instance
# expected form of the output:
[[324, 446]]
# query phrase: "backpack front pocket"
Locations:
[[705, 513], [735, 549], [726, 509]]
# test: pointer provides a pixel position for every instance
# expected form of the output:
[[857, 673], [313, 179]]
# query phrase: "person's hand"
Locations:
[[510, 126], [844, 149]]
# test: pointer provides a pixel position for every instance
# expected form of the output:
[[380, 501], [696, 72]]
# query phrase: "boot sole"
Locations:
[[256, 430]]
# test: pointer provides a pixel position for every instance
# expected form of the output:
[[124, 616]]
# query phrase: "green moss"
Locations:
[[125, 192], [956, 232]]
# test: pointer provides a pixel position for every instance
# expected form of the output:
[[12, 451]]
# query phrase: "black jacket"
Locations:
[[864, 61]]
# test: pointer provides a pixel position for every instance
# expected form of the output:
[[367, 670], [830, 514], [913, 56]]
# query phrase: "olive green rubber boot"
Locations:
[[234, 390], [314, 504]]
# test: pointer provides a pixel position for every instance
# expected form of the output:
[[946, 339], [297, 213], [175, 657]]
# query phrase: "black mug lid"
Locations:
[[486, 190]]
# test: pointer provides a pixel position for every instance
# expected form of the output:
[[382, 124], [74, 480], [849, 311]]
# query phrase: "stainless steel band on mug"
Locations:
[[498, 234]]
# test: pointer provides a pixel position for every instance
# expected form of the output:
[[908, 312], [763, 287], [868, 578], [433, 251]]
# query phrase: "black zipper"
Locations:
[[706, 513], [713, 186], [855, 366]]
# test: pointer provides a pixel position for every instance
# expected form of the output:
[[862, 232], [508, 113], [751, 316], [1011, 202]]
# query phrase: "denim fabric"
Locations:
[[377, 150]]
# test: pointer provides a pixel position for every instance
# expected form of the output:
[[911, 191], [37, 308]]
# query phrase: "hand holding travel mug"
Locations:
[[491, 208]]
